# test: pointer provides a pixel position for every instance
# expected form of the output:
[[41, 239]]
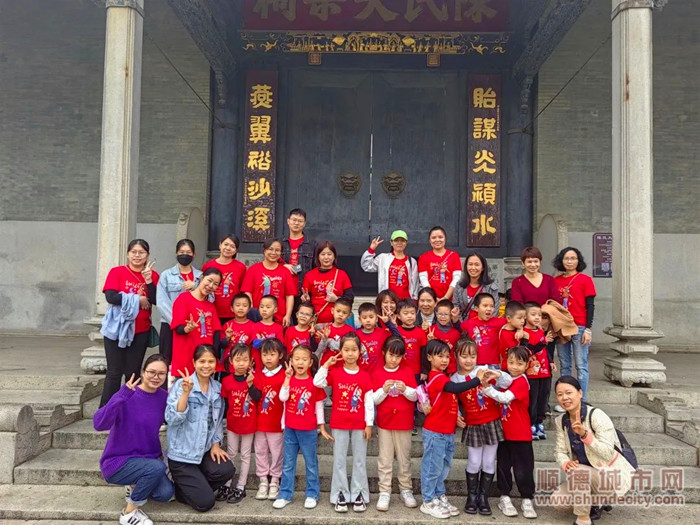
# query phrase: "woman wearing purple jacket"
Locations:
[[133, 455]]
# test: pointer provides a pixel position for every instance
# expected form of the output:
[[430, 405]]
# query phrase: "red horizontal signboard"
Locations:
[[376, 15]]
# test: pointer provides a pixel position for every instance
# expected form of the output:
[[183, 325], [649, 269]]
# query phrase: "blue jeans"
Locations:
[[307, 442], [149, 480], [438, 451], [580, 352]]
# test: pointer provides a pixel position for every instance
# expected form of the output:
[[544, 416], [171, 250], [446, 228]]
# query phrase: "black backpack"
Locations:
[[625, 448]]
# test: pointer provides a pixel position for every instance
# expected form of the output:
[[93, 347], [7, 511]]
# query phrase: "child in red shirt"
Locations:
[[539, 369], [329, 336], [303, 419], [395, 398], [443, 330], [267, 328], [352, 417], [483, 430], [268, 430], [240, 329], [241, 396], [438, 430], [414, 337], [302, 333], [512, 333], [372, 337], [483, 330], [515, 453]]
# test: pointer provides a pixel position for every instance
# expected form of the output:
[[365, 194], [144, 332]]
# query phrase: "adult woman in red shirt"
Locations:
[[136, 277], [269, 277], [232, 273], [325, 283], [533, 286], [577, 294], [439, 268]]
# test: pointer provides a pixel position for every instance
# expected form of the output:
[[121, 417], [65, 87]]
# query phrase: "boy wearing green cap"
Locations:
[[396, 270]]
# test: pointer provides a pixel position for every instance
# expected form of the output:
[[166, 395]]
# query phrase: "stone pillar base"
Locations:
[[93, 359], [631, 370]]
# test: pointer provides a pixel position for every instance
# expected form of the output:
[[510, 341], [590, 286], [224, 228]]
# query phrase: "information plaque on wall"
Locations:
[[602, 255], [260, 159]]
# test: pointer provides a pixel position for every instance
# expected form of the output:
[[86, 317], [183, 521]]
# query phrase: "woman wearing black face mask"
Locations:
[[181, 277]]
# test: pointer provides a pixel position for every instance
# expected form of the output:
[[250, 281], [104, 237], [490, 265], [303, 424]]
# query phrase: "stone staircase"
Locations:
[[70, 466]]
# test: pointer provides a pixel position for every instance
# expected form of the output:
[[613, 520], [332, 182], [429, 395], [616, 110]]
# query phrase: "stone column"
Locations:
[[121, 112], [632, 206]]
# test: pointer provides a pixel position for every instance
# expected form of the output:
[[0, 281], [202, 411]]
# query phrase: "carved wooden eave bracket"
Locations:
[[197, 18]]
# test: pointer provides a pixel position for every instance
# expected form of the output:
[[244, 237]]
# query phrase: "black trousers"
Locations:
[[195, 484], [122, 362], [166, 343], [539, 398], [518, 457]]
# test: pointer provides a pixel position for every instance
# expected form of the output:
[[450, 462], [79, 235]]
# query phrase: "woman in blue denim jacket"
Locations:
[[195, 416], [181, 277]]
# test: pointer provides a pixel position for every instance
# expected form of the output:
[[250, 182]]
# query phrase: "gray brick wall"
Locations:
[[574, 155], [51, 73]]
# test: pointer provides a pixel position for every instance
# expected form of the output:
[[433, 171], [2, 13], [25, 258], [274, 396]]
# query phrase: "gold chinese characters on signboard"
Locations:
[[260, 156]]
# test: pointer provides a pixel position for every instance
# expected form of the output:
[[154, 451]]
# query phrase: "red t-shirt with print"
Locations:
[[231, 278], [318, 283], [478, 408], [336, 333], [241, 333], [268, 331], [399, 278], [242, 410], [539, 366], [348, 410], [270, 407], [295, 337], [395, 412], [124, 279], [573, 291], [280, 283], [300, 408], [203, 313], [294, 250], [414, 339], [485, 335], [472, 291], [439, 269], [443, 414], [506, 340], [515, 416], [371, 349]]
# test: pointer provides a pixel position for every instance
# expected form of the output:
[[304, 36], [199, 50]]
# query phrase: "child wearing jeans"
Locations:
[[269, 439], [438, 430], [303, 419], [515, 454], [352, 417], [241, 396], [395, 397]]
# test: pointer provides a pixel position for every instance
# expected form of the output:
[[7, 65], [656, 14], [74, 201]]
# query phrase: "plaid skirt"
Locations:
[[479, 435]]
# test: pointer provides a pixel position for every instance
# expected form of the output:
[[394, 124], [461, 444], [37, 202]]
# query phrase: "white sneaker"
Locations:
[[263, 490], [506, 506], [274, 490], [454, 511], [559, 408], [135, 517], [408, 499], [435, 509], [528, 509], [310, 503], [280, 503], [383, 501]]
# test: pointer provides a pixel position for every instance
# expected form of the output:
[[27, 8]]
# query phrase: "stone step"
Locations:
[[81, 467], [626, 418], [91, 406], [70, 397], [651, 449], [60, 505]]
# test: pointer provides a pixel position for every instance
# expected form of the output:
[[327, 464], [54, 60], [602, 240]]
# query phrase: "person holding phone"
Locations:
[[125, 287]]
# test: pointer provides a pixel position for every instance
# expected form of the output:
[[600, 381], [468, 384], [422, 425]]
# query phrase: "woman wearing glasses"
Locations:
[[577, 295], [130, 291], [133, 456]]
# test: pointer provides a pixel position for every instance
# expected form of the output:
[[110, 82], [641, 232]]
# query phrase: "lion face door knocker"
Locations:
[[393, 183], [349, 184]]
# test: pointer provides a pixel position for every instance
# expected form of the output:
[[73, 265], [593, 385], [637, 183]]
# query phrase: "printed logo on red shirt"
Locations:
[[268, 400]]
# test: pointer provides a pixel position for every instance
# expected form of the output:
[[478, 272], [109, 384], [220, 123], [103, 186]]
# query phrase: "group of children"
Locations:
[[489, 376]]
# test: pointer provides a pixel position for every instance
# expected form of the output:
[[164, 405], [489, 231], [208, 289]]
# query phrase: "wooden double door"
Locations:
[[367, 152]]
